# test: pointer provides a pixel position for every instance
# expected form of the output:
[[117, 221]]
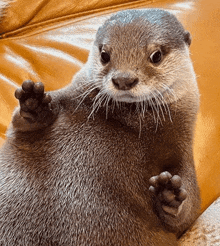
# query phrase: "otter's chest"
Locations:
[[106, 148]]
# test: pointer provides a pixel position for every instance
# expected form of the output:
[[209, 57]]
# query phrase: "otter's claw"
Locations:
[[34, 103], [167, 189]]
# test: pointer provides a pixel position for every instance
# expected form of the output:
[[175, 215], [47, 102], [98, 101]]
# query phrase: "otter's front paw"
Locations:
[[34, 103], [167, 189]]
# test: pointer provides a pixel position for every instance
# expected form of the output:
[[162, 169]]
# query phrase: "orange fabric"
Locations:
[[49, 41], [25, 13]]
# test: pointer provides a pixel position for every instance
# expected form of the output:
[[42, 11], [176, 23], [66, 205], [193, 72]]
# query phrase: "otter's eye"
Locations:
[[156, 57], [105, 57]]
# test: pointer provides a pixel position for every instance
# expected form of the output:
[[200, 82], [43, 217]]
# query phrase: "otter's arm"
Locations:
[[176, 197], [37, 109]]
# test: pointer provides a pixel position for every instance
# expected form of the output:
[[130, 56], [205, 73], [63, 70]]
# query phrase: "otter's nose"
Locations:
[[124, 81]]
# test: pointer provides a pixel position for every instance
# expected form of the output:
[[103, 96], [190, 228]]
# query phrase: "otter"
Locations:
[[107, 160]]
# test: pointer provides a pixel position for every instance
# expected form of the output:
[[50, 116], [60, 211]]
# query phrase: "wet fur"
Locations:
[[83, 179]]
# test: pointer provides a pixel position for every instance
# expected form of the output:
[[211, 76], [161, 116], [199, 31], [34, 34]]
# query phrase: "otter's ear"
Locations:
[[187, 38]]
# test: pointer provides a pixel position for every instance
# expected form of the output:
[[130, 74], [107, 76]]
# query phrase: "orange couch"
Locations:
[[49, 41]]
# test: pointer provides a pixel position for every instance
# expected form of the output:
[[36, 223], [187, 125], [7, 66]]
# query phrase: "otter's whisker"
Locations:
[[170, 91], [161, 98], [158, 104], [113, 107], [96, 103], [84, 95], [152, 107], [155, 119], [156, 109], [144, 107], [169, 94], [137, 111], [140, 126], [142, 104], [108, 98], [165, 105], [118, 105], [86, 91]]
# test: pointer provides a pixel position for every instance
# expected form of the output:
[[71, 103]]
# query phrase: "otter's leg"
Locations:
[[168, 189], [36, 110]]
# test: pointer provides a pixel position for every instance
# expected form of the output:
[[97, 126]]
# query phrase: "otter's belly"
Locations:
[[78, 186]]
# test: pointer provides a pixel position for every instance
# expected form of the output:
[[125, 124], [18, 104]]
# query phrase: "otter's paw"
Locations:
[[34, 103], [167, 189]]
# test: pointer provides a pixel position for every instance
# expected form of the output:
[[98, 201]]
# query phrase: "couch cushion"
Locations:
[[25, 13], [206, 229], [49, 41]]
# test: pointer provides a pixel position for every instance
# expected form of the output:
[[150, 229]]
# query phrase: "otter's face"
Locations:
[[142, 55]]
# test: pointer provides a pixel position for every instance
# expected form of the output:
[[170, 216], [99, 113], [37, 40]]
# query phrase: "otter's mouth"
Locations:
[[154, 96], [124, 105], [125, 101], [128, 98]]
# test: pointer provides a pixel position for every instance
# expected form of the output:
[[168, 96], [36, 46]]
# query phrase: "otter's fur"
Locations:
[[81, 176]]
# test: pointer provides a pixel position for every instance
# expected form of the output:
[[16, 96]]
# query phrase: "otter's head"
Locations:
[[142, 55]]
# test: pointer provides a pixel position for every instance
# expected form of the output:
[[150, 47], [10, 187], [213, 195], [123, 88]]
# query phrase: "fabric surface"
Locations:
[[206, 230], [49, 41], [25, 13]]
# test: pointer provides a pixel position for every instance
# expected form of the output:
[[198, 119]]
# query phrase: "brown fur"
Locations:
[[80, 180]]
